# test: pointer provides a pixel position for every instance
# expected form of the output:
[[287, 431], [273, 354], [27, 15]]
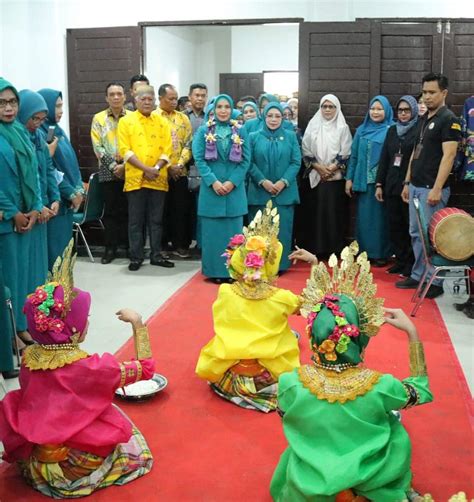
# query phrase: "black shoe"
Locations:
[[407, 283], [434, 291], [133, 266], [162, 263], [109, 255], [395, 269], [378, 263], [461, 306], [469, 310], [10, 374]]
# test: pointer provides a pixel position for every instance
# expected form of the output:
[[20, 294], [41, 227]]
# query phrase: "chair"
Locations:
[[93, 211], [441, 266]]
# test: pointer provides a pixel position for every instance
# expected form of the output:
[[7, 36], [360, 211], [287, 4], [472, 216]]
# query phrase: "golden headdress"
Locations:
[[253, 257], [62, 274], [352, 277]]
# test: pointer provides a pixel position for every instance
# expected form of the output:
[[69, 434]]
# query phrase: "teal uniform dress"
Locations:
[[221, 215], [6, 335], [372, 228], [275, 156], [65, 161], [19, 192], [32, 103]]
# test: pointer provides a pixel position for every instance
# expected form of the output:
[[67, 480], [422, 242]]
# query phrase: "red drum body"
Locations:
[[452, 233]]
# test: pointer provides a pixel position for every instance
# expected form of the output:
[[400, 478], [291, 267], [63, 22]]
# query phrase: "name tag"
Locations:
[[397, 160]]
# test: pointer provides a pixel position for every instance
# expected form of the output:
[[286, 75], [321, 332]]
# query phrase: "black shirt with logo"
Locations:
[[443, 126]]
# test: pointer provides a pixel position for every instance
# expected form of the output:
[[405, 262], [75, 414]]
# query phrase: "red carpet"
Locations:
[[209, 450]]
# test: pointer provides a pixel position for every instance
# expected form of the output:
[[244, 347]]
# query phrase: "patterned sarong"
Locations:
[[82, 473], [253, 393]]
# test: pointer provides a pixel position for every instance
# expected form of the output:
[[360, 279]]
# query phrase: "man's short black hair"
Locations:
[[110, 84], [197, 86], [439, 77], [163, 89], [245, 99], [139, 78], [182, 101]]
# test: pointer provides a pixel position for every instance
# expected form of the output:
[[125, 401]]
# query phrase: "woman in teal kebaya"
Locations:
[[222, 156], [20, 200], [70, 188], [33, 111], [276, 160], [371, 217]]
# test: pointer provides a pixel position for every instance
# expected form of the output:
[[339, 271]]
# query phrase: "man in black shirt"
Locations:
[[430, 165]]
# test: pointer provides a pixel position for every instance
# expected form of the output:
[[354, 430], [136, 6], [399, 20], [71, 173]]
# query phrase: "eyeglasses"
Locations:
[[5, 102], [328, 107], [38, 120], [404, 110]]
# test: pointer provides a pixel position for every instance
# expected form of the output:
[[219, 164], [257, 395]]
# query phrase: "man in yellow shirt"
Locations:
[[146, 147], [111, 169], [177, 220]]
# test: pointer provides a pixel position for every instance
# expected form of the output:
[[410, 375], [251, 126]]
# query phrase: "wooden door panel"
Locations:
[[96, 57], [237, 85], [335, 58]]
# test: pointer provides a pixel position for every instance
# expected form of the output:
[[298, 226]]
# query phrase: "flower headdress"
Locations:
[[254, 255], [49, 308], [341, 308]]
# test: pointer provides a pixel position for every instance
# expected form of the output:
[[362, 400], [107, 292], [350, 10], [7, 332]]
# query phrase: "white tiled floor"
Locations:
[[113, 286]]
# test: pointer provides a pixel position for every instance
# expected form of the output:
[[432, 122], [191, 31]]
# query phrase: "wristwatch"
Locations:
[[406, 183]]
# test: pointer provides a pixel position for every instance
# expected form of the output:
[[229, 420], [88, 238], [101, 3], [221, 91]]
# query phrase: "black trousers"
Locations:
[[115, 217], [145, 210], [399, 221], [177, 219]]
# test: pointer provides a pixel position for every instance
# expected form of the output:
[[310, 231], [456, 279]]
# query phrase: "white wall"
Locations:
[[33, 32], [263, 48]]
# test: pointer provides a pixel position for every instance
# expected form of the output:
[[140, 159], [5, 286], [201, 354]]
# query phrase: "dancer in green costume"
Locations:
[[337, 414]]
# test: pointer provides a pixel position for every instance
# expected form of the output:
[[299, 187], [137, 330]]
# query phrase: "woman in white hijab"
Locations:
[[323, 212]]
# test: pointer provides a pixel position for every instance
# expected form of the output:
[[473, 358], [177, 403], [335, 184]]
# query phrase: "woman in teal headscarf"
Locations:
[[249, 111], [20, 202], [371, 218], [256, 124], [33, 111], [65, 161], [276, 160], [221, 153]]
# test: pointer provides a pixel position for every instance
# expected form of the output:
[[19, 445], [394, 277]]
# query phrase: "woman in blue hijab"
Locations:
[[276, 160], [33, 111], [256, 124], [394, 160], [249, 111], [20, 205], [371, 218], [222, 156], [65, 161]]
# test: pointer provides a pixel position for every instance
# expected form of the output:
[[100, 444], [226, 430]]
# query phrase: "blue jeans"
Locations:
[[422, 194]]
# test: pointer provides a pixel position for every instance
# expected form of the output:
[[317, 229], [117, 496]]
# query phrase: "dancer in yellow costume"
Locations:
[[253, 343]]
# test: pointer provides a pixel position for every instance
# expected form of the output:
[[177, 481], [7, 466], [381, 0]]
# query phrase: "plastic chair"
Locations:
[[93, 211], [441, 267]]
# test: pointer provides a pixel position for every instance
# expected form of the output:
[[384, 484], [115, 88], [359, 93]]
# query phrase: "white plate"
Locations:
[[143, 389]]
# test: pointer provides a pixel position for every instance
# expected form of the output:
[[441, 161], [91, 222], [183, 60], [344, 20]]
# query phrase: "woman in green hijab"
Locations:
[[276, 160], [20, 202], [343, 439], [32, 113]]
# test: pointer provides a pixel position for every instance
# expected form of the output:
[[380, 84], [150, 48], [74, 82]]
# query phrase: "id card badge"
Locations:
[[397, 160], [417, 151]]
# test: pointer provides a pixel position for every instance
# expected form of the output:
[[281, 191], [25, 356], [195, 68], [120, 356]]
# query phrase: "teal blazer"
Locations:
[[11, 201], [209, 203], [287, 168], [47, 178]]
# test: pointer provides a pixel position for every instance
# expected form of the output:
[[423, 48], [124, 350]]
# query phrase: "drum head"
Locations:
[[454, 237]]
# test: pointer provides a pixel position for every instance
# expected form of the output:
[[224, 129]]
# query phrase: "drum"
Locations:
[[452, 233]]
